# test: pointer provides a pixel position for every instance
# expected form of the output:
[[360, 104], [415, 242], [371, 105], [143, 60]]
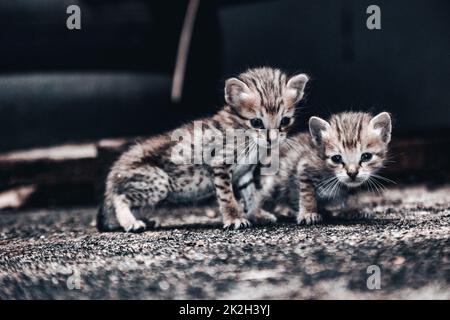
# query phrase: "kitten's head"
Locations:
[[353, 145], [264, 99]]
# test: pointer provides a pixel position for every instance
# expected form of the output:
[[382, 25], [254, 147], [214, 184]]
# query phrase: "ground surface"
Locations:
[[58, 254]]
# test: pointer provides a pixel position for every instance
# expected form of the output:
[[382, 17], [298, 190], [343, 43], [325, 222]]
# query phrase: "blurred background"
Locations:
[[70, 100]]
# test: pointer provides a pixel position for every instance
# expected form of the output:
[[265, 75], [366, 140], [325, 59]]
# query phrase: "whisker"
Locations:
[[372, 186], [337, 188], [379, 184], [369, 186], [326, 180], [376, 186], [327, 189], [383, 178]]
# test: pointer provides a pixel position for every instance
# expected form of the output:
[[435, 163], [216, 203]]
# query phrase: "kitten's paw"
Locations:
[[236, 223], [135, 226], [150, 224], [263, 216], [309, 218], [285, 211], [356, 214], [367, 215]]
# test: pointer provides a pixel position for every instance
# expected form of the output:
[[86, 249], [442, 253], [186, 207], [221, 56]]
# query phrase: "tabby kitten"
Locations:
[[322, 167], [260, 100]]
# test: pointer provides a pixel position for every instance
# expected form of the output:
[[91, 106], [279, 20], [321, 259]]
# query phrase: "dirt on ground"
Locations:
[[59, 254]]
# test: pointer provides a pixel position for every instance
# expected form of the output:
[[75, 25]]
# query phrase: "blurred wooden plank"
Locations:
[[66, 164], [16, 197], [58, 153]]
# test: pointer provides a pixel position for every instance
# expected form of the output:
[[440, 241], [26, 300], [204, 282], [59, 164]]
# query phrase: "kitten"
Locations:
[[323, 166], [260, 100]]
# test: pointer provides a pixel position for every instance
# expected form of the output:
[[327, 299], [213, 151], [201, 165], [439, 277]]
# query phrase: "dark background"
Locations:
[[113, 77]]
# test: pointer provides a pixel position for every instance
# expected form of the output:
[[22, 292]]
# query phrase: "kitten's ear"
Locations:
[[317, 128], [295, 88], [237, 93], [382, 125]]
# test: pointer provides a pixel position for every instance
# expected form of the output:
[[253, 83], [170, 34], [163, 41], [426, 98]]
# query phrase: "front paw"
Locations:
[[285, 211], [135, 226], [356, 214], [263, 216], [234, 217], [308, 218], [236, 223]]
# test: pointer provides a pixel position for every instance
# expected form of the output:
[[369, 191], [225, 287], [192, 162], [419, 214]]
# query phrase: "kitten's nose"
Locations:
[[352, 174], [272, 135]]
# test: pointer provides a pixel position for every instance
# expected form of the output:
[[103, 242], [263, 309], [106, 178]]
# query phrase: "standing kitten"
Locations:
[[262, 100], [338, 155]]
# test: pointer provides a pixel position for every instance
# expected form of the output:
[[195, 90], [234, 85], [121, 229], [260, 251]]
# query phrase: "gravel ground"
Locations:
[[58, 254]]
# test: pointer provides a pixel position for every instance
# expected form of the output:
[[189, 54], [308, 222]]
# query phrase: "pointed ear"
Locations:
[[295, 88], [238, 94], [317, 128], [381, 124]]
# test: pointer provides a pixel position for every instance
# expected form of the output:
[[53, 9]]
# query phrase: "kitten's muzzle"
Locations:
[[270, 138], [353, 174]]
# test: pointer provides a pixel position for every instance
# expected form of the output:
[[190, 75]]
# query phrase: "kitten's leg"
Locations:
[[247, 190], [252, 200], [349, 209], [115, 214], [124, 215], [261, 215], [284, 210], [233, 215], [106, 216], [307, 204], [137, 190]]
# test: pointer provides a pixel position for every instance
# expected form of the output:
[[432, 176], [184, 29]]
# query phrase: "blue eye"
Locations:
[[336, 158], [257, 123], [366, 156]]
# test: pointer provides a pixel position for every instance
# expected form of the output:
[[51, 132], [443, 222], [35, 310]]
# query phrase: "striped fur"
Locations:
[[147, 175], [308, 174]]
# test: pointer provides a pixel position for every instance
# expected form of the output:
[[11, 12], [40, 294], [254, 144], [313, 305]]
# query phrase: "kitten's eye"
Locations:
[[366, 156], [336, 158], [285, 121], [257, 123]]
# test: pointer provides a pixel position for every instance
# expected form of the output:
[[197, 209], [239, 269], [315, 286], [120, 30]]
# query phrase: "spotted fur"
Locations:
[[146, 175]]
